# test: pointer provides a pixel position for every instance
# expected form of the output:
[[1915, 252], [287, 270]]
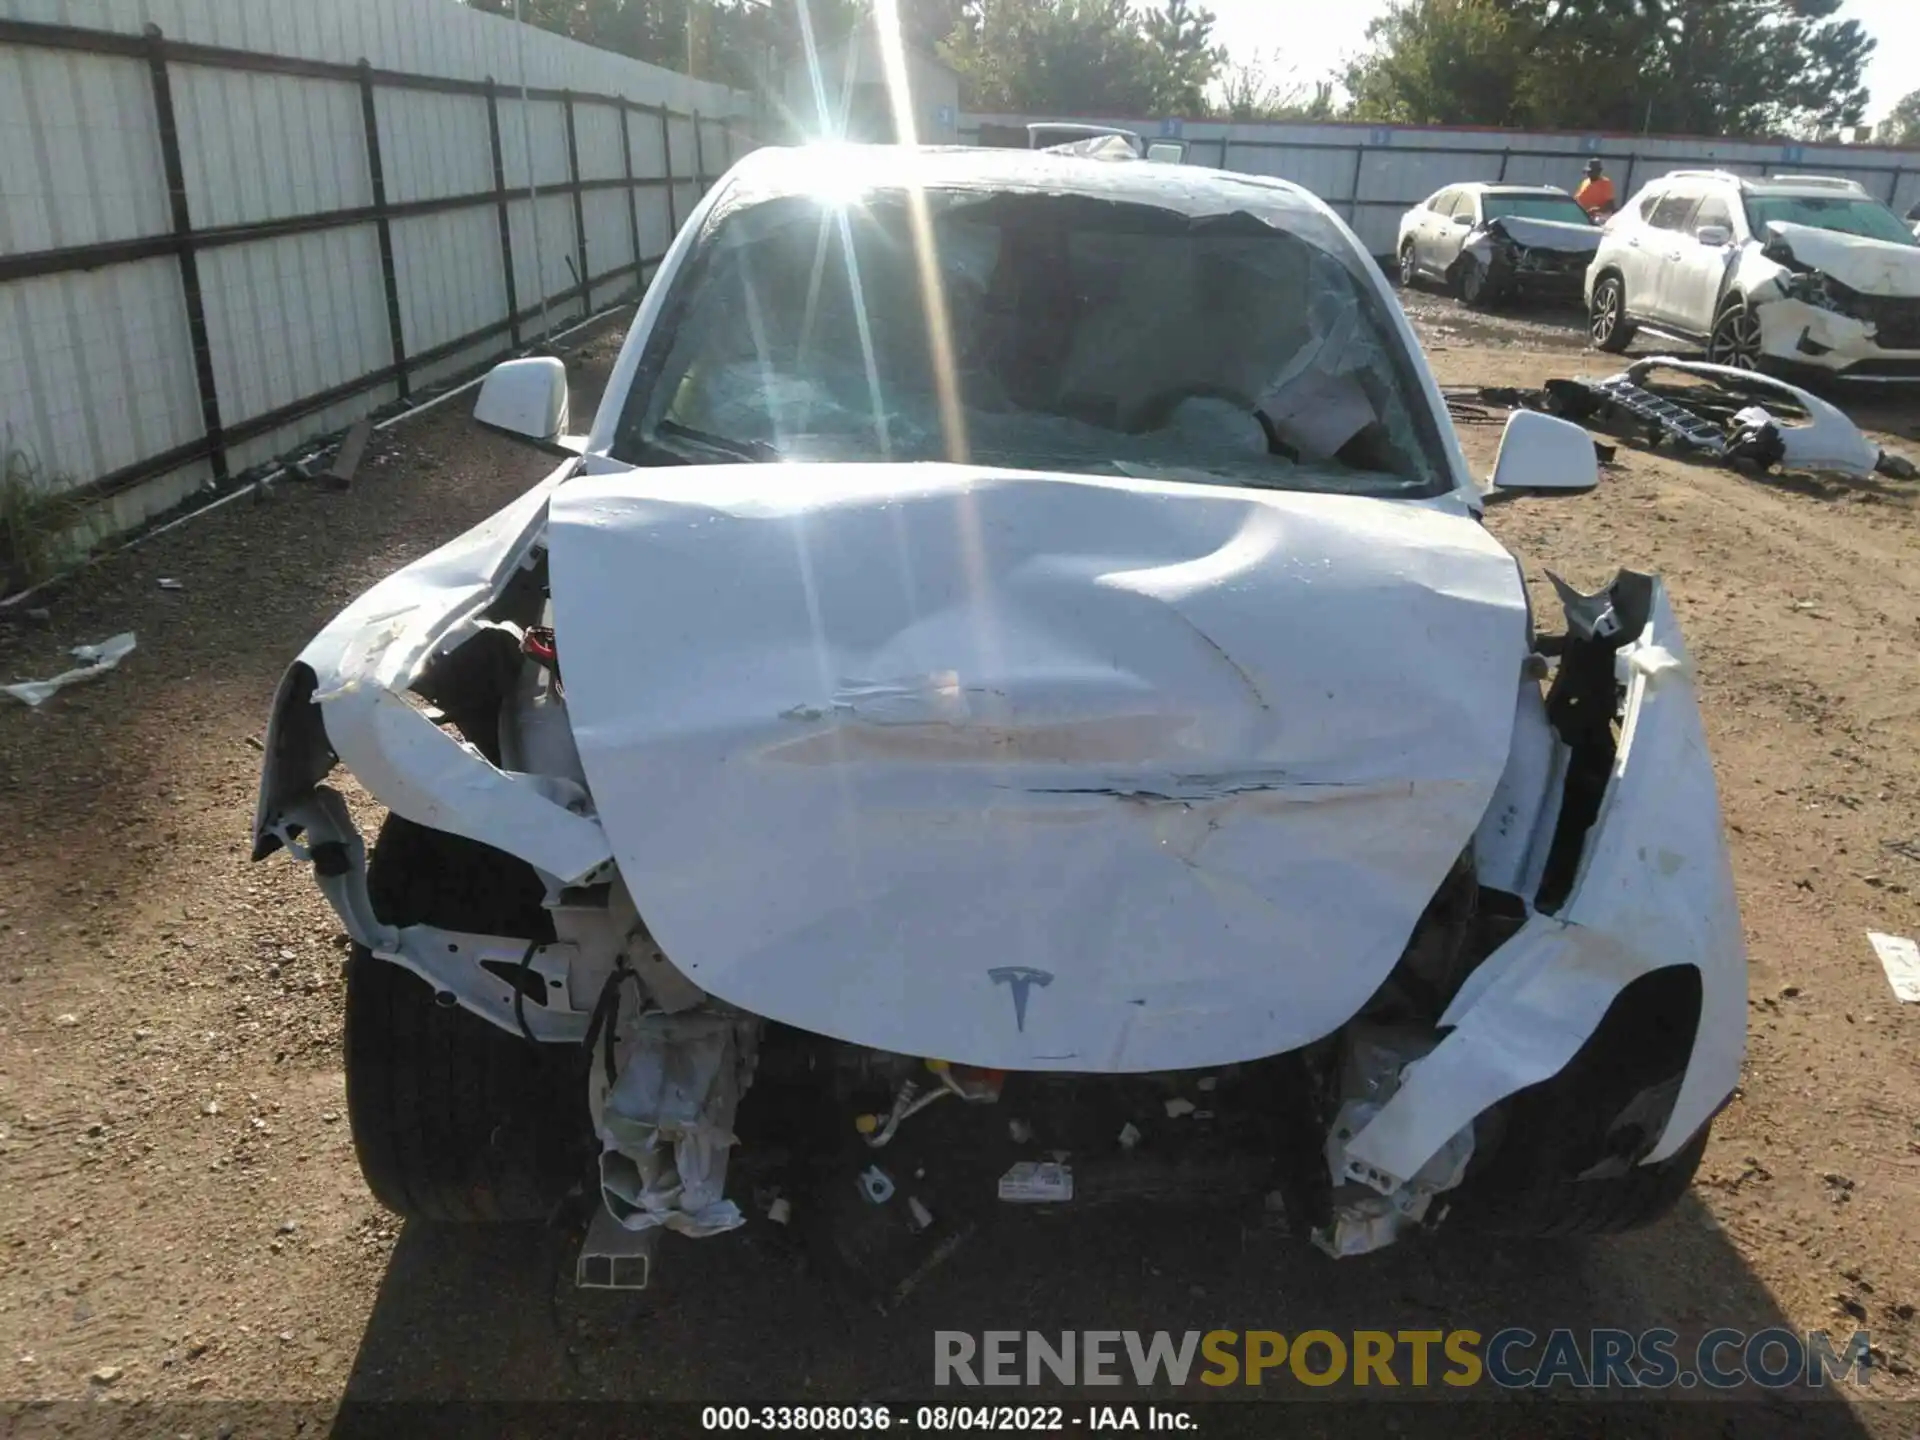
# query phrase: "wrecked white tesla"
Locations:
[[1013, 701]]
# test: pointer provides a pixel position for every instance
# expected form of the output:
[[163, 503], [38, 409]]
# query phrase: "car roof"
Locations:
[[1771, 184], [1188, 189], [1489, 187]]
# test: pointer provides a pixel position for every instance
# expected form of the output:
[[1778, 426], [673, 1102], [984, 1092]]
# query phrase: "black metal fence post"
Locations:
[[182, 217], [370, 116], [1359, 160], [666, 165], [699, 161], [579, 211], [506, 224], [633, 213]]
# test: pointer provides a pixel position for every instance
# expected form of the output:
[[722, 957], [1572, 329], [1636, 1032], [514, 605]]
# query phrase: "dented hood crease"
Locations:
[[1873, 267], [1032, 771]]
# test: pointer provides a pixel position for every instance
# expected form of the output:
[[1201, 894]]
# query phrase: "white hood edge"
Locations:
[[1550, 234], [1873, 267]]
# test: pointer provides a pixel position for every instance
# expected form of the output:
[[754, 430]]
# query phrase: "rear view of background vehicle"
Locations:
[[1490, 242], [872, 772], [1791, 272]]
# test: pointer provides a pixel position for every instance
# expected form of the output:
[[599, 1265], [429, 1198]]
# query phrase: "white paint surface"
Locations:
[[1183, 764]]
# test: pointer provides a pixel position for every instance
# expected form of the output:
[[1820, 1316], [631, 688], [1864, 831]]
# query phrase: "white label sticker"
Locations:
[[1037, 1183]]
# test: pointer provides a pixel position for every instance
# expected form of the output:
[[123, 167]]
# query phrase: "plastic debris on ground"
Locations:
[[1034, 1182], [1179, 1106], [1713, 410], [1129, 1135], [922, 1217], [170, 584], [1019, 1131], [1900, 958], [94, 660]]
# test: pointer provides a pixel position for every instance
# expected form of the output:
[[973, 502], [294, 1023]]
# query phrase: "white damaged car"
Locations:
[[1012, 702], [1792, 272]]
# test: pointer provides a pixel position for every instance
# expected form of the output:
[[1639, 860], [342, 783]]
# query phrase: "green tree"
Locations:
[[1249, 90], [1902, 125], [1706, 67], [1084, 56]]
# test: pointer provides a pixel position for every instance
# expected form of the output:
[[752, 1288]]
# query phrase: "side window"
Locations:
[[1648, 204], [1463, 203], [1713, 211], [1438, 202], [1675, 210]]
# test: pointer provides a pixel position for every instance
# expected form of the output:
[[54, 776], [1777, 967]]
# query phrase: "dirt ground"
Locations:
[[183, 1217]]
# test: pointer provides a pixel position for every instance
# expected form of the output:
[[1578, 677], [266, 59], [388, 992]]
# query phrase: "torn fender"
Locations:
[[1654, 889], [345, 700]]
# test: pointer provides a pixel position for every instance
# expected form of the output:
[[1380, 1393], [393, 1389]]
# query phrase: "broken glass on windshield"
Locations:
[[1081, 334]]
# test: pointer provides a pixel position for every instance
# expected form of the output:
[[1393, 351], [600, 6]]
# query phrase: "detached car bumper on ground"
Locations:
[[741, 811]]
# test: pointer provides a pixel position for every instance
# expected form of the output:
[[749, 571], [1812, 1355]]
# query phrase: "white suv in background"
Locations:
[[1788, 271]]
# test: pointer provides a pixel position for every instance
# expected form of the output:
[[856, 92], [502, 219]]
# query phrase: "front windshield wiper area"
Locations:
[[757, 451]]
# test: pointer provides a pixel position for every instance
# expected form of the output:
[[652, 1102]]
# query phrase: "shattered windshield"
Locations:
[[1534, 207], [1850, 215], [1081, 334]]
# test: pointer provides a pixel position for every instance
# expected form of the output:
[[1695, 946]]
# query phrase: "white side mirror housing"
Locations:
[[1540, 454], [527, 398], [1713, 236]]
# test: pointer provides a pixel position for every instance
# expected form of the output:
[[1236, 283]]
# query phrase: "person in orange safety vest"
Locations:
[[1595, 195]]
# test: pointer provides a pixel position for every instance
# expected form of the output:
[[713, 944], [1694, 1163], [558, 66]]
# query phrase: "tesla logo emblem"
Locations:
[[1020, 979]]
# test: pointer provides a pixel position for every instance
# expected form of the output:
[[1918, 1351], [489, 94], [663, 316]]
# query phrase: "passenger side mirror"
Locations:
[[527, 398], [1540, 454], [1713, 236], [1465, 222]]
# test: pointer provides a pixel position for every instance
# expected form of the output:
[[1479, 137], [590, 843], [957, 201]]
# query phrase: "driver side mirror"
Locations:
[[1714, 236], [1465, 222], [1541, 455], [526, 398]]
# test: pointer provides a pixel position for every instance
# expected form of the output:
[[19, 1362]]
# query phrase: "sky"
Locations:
[[1311, 37]]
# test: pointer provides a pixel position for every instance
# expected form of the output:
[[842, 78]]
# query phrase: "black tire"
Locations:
[[1475, 285], [453, 1119], [1559, 1206], [1608, 327], [1567, 1127], [1735, 339], [1409, 271]]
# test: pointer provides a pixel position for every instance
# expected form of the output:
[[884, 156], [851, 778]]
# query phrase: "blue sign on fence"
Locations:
[[1792, 154], [943, 117], [1590, 144], [1170, 129], [1379, 137]]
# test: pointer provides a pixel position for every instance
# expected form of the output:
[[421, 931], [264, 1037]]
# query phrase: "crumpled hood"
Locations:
[[1550, 234], [1873, 267], [1032, 772]]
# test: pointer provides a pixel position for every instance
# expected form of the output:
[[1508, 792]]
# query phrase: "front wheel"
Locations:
[[1607, 323], [1736, 339], [1409, 267], [453, 1119], [1477, 289]]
